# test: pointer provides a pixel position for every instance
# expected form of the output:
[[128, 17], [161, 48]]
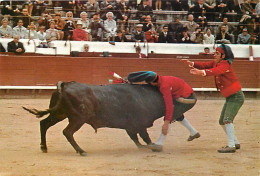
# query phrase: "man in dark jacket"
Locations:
[[164, 36], [2, 49], [15, 46]]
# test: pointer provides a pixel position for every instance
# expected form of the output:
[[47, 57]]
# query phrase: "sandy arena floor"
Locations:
[[112, 153]]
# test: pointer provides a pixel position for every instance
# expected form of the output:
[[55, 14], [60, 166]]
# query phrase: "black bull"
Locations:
[[125, 106]]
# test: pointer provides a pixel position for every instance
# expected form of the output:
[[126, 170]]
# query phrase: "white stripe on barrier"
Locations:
[[54, 87]]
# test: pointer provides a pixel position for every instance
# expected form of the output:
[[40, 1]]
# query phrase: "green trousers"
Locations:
[[231, 107]]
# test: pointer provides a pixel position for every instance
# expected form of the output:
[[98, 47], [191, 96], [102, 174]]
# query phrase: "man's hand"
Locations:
[[165, 127], [188, 62], [195, 71]]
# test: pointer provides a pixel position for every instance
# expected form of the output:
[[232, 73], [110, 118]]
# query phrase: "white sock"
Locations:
[[162, 137], [235, 138], [187, 124], [230, 134]]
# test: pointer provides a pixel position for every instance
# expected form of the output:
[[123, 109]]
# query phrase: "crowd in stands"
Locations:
[[108, 20]]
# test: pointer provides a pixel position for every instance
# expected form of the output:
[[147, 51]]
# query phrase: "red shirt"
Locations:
[[225, 78], [172, 87], [79, 35]]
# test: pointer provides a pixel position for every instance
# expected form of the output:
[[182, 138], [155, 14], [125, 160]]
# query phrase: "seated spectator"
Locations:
[[52, 33], [191, 25], [138, 35], [122, 13], [59, 24], [158, 4], [138, 52], [5, 30], [229, 27], [223, 6], [86, 48], [185, 36], [164, 36], [15, 46], [110, 27], [206, 52], [2, 49], [106, 6], [39, 7], [143, 10], [79, 34], [7, 8], [211, 6], [191, 4], [22, 16], [42, 37], [175, 30], [199, 11], [244, 38], [151, 36], [68, 6], [92, 7], [120, 36], [223, 36], [80, 7], [32, 33], [69, 26], [180, 5], [208, 38], [246, 7], [148, 23], [85, 21], [96, 28], [29, 6], [257, 9], [20, 30], [197, 36], [45, 20]]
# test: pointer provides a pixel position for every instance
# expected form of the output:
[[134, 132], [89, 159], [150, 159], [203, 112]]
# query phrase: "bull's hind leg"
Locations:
[[44, 125], [73, 126], [134, 137], [145, 136]]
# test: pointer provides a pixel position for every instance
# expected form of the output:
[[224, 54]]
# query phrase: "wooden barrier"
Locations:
[[47, 71]]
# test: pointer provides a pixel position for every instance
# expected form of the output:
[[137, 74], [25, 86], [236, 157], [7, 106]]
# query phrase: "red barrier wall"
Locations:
[[48, 70]]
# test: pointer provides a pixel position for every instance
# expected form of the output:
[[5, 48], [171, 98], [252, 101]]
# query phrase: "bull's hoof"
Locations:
[[44, 149], [83, 154], [155, 147]]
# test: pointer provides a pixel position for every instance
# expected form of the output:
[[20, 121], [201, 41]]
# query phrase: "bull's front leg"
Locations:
[[134, 137], [73, 126], [145, 136]]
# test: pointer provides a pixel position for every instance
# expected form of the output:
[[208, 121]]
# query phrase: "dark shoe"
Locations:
[[197, 135], [237, 146], [227, 149], [155, 147]]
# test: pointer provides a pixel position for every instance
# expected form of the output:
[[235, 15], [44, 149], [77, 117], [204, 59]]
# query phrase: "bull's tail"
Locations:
[[41, 113]]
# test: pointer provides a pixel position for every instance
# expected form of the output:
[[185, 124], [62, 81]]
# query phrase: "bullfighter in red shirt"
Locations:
[[178, 98], [229, 86]]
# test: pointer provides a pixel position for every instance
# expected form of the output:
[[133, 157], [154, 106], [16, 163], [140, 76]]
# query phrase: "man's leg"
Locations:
[[193, 132]]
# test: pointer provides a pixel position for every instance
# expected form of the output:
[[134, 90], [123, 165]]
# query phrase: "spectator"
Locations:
[[191, 25], [69, 26], [42, 37], [223, 6], [208, 38], [257, 9], [151, 36], [138, 52], [7, 8], [23, 16], [191, 4], [5, 30], [79, 34], [29, 6], [164, 36], [92, 7], [52, 33], [32, 33], [138, 35], [211, 6], [80, 7], [197, 36], [120, 36], [20, 30], [96, 28], [143, 10], [59, 24], [45, 20], [185, 36], [148, 23], [206, 52], [85, 24], [200, 11], [2, 49], [110, 27], [40, 6], [158, 4], [246, 7], [180, 5], [175, 30], [68, 5], [15, 46], [244, 38], [229, 27], [223, 36], [86, 48], [106, 6], [123, 13]]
